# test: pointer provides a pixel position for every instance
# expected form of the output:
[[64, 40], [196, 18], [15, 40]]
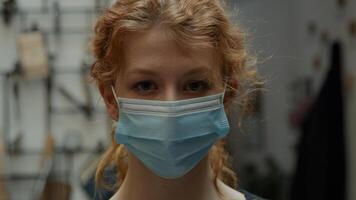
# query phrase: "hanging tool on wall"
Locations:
[[45, 166], [16, 145], [32, 64], [3, 190], [8, 10], [56, 18], [86, 106], [83, 107]]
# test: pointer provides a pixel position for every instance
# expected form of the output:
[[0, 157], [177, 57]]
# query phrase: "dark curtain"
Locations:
[[321, 166]]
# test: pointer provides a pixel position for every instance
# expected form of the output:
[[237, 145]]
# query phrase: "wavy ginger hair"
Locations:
[[192, 23]]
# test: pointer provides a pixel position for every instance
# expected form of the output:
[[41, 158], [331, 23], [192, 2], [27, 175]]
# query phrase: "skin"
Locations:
[[156, 68]]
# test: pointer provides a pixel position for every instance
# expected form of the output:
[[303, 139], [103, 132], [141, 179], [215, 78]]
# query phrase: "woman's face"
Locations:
[[156, 68]]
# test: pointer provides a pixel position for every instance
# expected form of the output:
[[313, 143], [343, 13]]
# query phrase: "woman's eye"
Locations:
[[197, 86], [145, 86]]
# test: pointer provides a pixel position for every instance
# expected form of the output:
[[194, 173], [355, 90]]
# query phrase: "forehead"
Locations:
[[155, 48]]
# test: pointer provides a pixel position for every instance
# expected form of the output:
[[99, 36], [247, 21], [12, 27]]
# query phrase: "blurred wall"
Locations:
[[335, 21], [69, 49], [271, 33], [278, 28]]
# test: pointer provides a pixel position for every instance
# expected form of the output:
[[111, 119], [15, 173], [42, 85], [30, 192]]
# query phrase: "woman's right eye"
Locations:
[[145, 86]]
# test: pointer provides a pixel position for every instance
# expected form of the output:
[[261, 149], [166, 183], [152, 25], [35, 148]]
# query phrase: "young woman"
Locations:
[[169, 71]]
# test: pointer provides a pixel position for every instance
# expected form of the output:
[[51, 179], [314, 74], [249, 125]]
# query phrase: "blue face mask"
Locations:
[[171, 137]]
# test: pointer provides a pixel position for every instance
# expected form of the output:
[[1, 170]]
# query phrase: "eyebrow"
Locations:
[[198, 70], [201, 69]]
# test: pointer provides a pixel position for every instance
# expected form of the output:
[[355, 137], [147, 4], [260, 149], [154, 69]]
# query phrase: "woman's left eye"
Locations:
[[197, 86]]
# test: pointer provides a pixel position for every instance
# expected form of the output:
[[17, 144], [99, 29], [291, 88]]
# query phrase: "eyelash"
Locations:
[[205, 84]]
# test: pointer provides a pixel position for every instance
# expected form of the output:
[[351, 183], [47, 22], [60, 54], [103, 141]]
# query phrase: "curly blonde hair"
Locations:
[[193, 23]]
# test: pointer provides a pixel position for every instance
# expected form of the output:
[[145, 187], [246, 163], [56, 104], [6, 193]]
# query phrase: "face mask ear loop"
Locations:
[[114, 93], [224, 91], [116, 99]]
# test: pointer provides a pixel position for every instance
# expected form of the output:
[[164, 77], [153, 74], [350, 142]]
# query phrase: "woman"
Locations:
[[168, 70]]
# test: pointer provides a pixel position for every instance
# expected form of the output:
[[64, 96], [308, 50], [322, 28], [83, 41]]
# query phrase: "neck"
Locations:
[[140, 183]]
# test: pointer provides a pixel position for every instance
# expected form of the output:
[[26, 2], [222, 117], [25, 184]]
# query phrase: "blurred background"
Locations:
[[296, 144]]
